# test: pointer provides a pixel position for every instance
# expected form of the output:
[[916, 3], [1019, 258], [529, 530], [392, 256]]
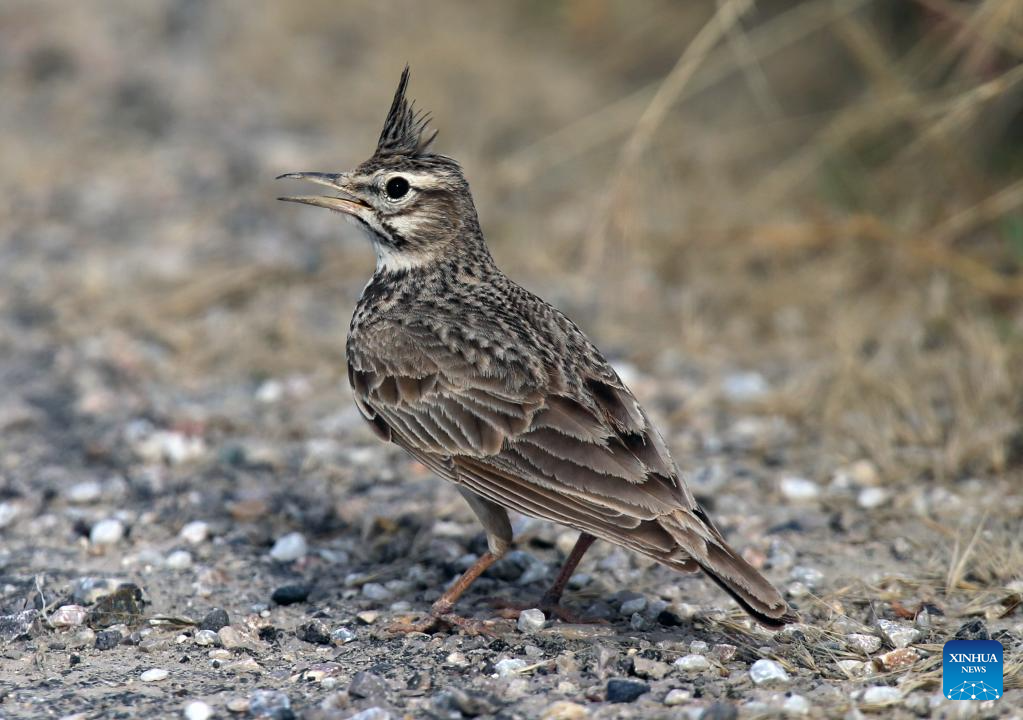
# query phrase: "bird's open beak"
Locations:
[[344, 201]]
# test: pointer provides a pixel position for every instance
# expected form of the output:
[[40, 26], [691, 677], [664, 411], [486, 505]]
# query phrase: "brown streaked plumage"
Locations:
[[497, 391]]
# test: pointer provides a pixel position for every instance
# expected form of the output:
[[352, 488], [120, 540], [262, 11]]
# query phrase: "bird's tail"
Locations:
[[754, 593]]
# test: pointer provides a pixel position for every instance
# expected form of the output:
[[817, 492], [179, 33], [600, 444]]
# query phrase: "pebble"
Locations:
[[698, 647], [457, 659], [270, 704], [368, 617], [367, 685], [373, 713], [895, 659], [633, 606], [620, 690], [86, 637], [206, 638], [852, 668], [290, 594], [864, 643], [179, 560], [315, 632], [647, 668], [677, 696], [233, 637], [726, 711], [375, 591], [811, 577], [342, 636], [509, 666], [197, 710], [872, 497], [154, 675], [195, 532], [766, 671], [897, 634], [798, 489], [722, 651], [215, 619], [565, 710], [17, 625], [881, 695], [106, 532], [531, 621], [68, 616], [237, 705], [692, 663], [796, 705], [84, 493], [246, 664], [289, 547]]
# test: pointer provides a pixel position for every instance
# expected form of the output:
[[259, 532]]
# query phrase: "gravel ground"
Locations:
[[194, 521]]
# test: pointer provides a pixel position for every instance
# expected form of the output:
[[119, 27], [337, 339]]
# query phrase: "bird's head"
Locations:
[[414, 205]]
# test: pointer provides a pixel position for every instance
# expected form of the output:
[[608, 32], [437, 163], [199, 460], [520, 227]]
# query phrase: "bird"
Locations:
[[497, 391]]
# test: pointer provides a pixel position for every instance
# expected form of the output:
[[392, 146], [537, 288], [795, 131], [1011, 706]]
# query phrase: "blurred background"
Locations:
[[796, 228]]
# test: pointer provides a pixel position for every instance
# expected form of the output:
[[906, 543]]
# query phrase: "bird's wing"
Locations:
[[589, 459]]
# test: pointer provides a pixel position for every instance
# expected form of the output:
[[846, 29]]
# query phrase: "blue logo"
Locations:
[[971, 670]]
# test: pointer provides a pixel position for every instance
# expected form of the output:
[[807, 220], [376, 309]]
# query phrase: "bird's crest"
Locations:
[[405, 129]]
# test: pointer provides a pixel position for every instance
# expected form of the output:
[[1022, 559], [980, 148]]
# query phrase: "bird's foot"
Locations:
[[441, 618]]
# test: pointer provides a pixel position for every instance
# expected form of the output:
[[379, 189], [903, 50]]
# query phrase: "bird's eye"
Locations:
[[397, 187]]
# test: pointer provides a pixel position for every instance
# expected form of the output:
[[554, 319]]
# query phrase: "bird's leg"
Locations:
[[552, 598], [440, 611]]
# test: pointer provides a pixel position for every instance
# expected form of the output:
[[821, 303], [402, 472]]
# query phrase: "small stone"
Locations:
[[375, 591], [195, 532], [215, 619], [245, 664], [197, 710], [531, 621], [457, 659], [156, 642], [651, 669], [367, 685], [220, 654], [692, 663], [973, 630], [698, 647], [373, 713], [798, 489], [314, 632], [796, 705], [620, 690], [84, 493], [290, 594], [897, 634], [900, 658], [864, 643], [68, 616], [17, 625], [882, 695], [766, 671], [237, 705], [269, 704], [723, 652], [677, 697], [179, 560], [124, 605], [811, 577], [509, 666], [108, 639], [86, 637], [205, 638], [872, 497], [154, 675], [852, 668], [342, 636], [106, 532], [639, 623], [632, 606], [368, 617], [565, 710], [721, 711], [289, 547], [233, 637]]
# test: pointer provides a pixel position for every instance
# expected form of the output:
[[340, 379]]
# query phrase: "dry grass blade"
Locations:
[[957, 567]]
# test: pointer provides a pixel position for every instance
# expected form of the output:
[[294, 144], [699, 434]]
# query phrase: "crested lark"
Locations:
[[498, 392]]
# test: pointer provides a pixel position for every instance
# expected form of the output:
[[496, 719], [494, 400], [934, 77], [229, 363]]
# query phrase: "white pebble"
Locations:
[[796, 705], [872, 497], [84, 493], [852, 668], [531, 621], [693, 663], [509, 666], [864, 643], [107, 532], [154, 675], [197, 710], [677, 697], [206, 637], [897, 634], [179, 560], [195, 532], [289, 547], [376, 591], [767, 671], [798, 489], [881, 695], [68, 616]]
